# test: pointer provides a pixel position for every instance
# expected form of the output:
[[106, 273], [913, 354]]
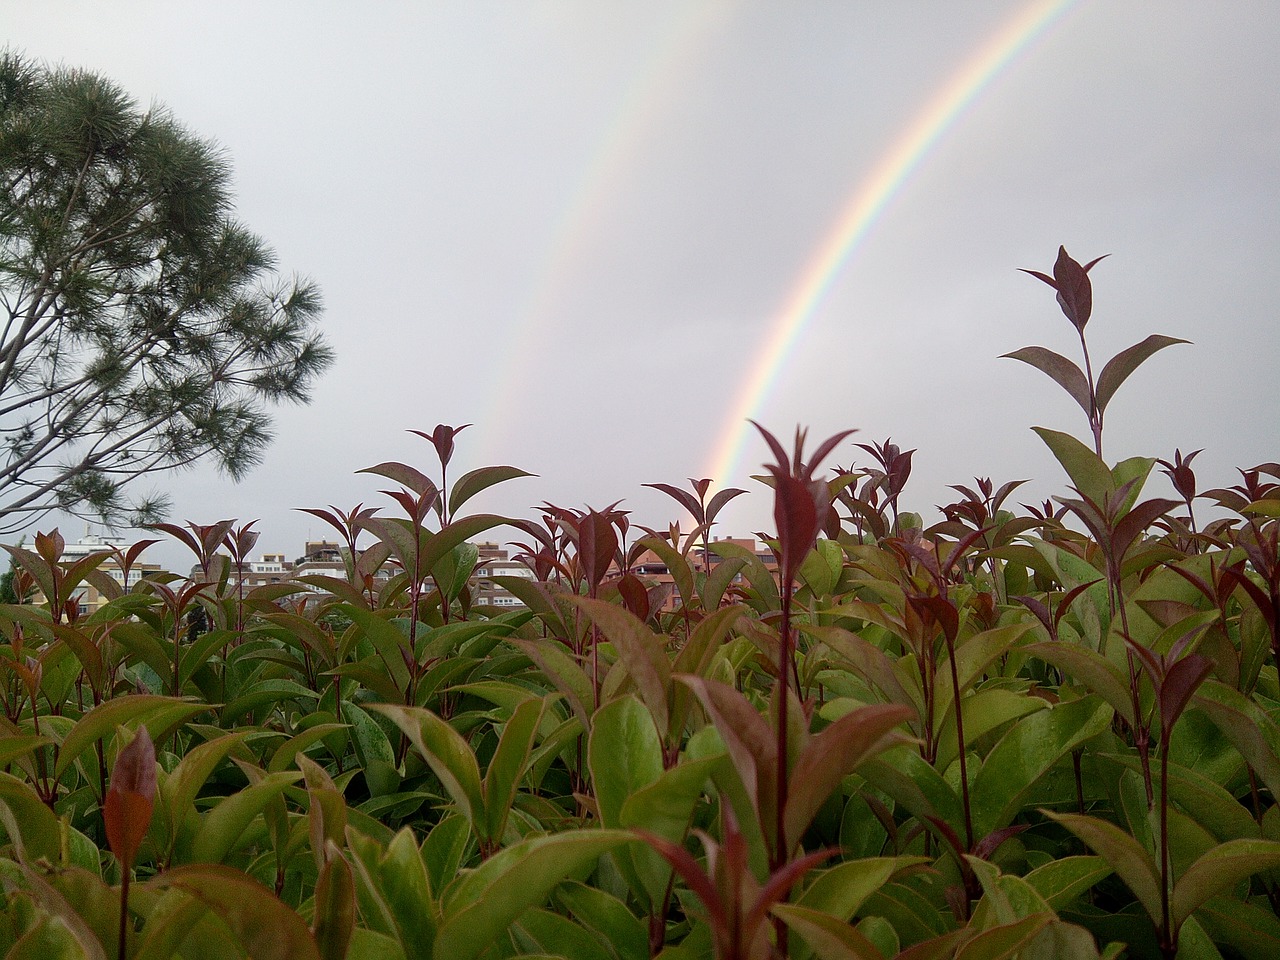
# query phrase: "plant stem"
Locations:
[[1095, 415], [123, 931], [964, 772], [784, 675], [1168, 937]]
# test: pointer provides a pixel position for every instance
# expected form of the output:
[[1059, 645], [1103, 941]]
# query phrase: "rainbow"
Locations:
[[868, 200], [647, 95]]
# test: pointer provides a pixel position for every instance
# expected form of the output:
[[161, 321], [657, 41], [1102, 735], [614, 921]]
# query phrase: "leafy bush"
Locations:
[[1041, 734]]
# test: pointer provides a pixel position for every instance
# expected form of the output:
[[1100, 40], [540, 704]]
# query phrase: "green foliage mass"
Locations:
[[1004, 735]]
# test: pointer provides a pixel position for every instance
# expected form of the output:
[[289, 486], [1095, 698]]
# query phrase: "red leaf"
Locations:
[[126, 811], [597, 544], [634, 596], [1180, 683], [403, 474], [127, 817], [826, 447], [1041, 276], [795, 513], [135, 768], [1125, 362], [778, 452], [689, 869], [941, 610], [1063, 371], [683, 497], [1075, 292], [1132, 525]]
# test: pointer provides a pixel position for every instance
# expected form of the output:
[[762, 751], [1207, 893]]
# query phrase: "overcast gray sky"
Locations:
[[575, 224]]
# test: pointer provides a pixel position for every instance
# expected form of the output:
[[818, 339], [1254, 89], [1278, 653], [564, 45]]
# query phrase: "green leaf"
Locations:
[[387, 638], [454, 568], [1194, 943], [373, 751], [1253, 931], [1096, 673], [144, 644], [265, 927], [448, 755], [914, 916], [1060, 882], [491, 898], [52, 939], [1063, 372], [551, 934], [446, 849], [266, 693], [558, 665], [509, 763], [664, 808], [973, 659], [402, 883], [455, 534], [176, 918], [1131, 861], [840, 891], [56, 903], [999, 943], [624, 755], [19, 745], [373, 894], [198, 653], [1249, 728], [904, 775], [696, 657], [676, 564], [832, 755], [1026, 753], [985, 711], [821, 569], [1059, 941], [370, 945], [1135, 469], [1089, 475], [640, 650], [1005, 898], [1120, 366], [608, 918], [160, 714], [178, 790], [335, 909], [718, 581], [469, 484], [1204, 800], [370, 673], [222, 826], [828, 937], [868, 661], [1219, 869], [746, 735], [285, 754], [33, 829]]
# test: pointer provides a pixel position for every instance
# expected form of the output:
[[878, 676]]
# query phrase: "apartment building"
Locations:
[[88, 594]]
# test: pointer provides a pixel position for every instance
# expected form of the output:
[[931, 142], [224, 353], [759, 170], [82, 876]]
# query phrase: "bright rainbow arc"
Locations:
[[865, 205]]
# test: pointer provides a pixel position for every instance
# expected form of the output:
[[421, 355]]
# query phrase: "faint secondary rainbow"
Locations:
[[868, 200], [648, 94]]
